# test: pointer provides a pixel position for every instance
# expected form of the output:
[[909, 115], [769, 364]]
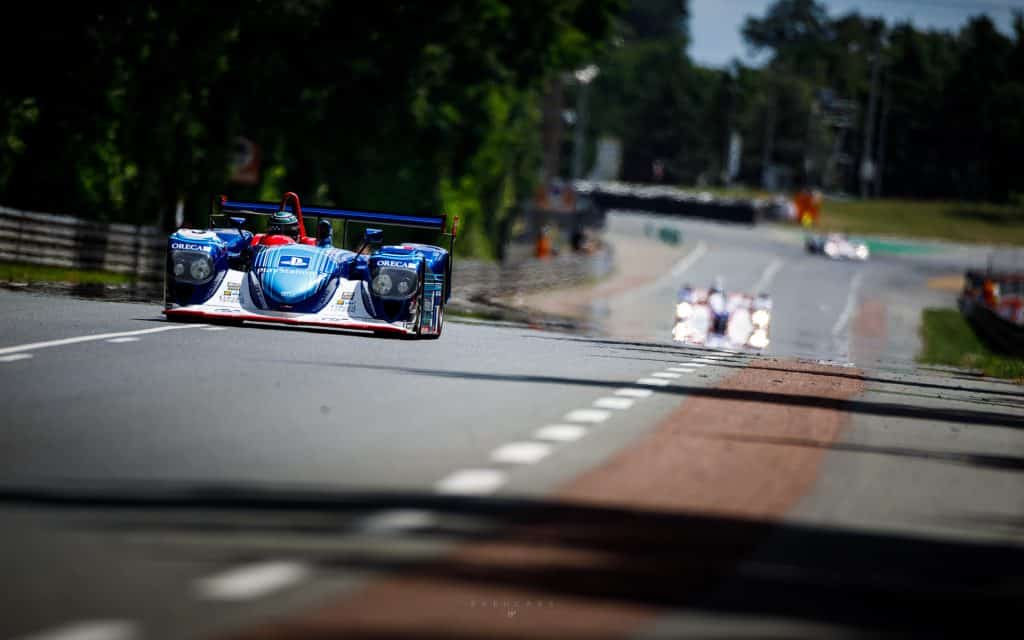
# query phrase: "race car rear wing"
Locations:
[[290, 202]]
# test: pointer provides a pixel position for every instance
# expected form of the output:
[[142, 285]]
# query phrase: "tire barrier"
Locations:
[[992, 304], [671, 201]]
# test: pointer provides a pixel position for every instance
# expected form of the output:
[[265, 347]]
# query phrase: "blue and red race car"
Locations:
[[285, 276]]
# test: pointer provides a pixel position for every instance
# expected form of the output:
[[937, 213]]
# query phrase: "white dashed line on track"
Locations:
[[396, 520], [633, 392], [561, 432], [521, 452], [587, 415], [851, 304], [215, 329], [473, 482], [251, 581], [614, 403], [680, 267], [15, 357], [769, 274], [693, 364], [653, 382], [123, 340], [680, 369], [662, 374], [90, 630], [32, 346]]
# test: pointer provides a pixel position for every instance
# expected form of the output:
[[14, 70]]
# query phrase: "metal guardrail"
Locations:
[[66, 241], [70, 242]]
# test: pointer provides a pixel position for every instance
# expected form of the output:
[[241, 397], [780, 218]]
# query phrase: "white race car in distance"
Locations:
[[716, 319], [838, 247]]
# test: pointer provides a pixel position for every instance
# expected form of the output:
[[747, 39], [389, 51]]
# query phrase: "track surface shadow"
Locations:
[[666, 560]]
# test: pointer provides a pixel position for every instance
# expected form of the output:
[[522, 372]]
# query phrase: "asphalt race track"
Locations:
[[163, 480]]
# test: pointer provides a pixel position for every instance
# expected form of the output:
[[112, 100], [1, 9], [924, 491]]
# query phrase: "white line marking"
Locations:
[[653, 382], [662, 374], [521, 452], [633, 392], [680, 369], [851, 302], [693, 364], [251, 580], [611, 402], [671, 277], [688, 261], [587, 415], [215, 329], [31, 346], [768, 275], [90, 630], [706, 361], [561, 432], [15, 357], [122, 340], [471, 482], [399, 520]]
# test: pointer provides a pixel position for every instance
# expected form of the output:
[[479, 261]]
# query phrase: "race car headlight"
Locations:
[[683, 310], [862, 252], [200, 269], [760, 318], [759, 339], [192, 267], [382, 284], [395, 283]]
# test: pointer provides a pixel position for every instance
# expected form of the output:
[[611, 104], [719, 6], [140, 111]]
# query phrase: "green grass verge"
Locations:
[[958, 221], [18, 272], [949, 340]]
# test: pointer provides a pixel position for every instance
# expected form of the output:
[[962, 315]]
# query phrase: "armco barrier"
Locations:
[[66, 241]]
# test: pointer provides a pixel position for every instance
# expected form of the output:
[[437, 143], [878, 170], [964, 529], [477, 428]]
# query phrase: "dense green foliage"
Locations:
[[118, 110], [949, 340], [950, 106], [948, 110], [115, 110]]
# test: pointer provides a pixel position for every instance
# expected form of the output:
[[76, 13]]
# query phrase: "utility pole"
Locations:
[[867, 166], [767, 175], [552, 129], [584, 77], [886, 102]]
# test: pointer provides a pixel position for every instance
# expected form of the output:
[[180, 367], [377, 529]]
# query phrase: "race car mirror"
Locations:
[[324, 232], [373, 237], [239, 222]]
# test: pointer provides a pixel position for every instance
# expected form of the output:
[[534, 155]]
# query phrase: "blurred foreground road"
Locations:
[[176, 481]]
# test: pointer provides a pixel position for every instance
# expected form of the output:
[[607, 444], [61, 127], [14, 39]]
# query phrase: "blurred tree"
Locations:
[[118, 110], [653, 99]]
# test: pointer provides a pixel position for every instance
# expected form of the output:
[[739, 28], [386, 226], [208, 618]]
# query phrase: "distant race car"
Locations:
[[837, 246], [714, 318], [227, 273]]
